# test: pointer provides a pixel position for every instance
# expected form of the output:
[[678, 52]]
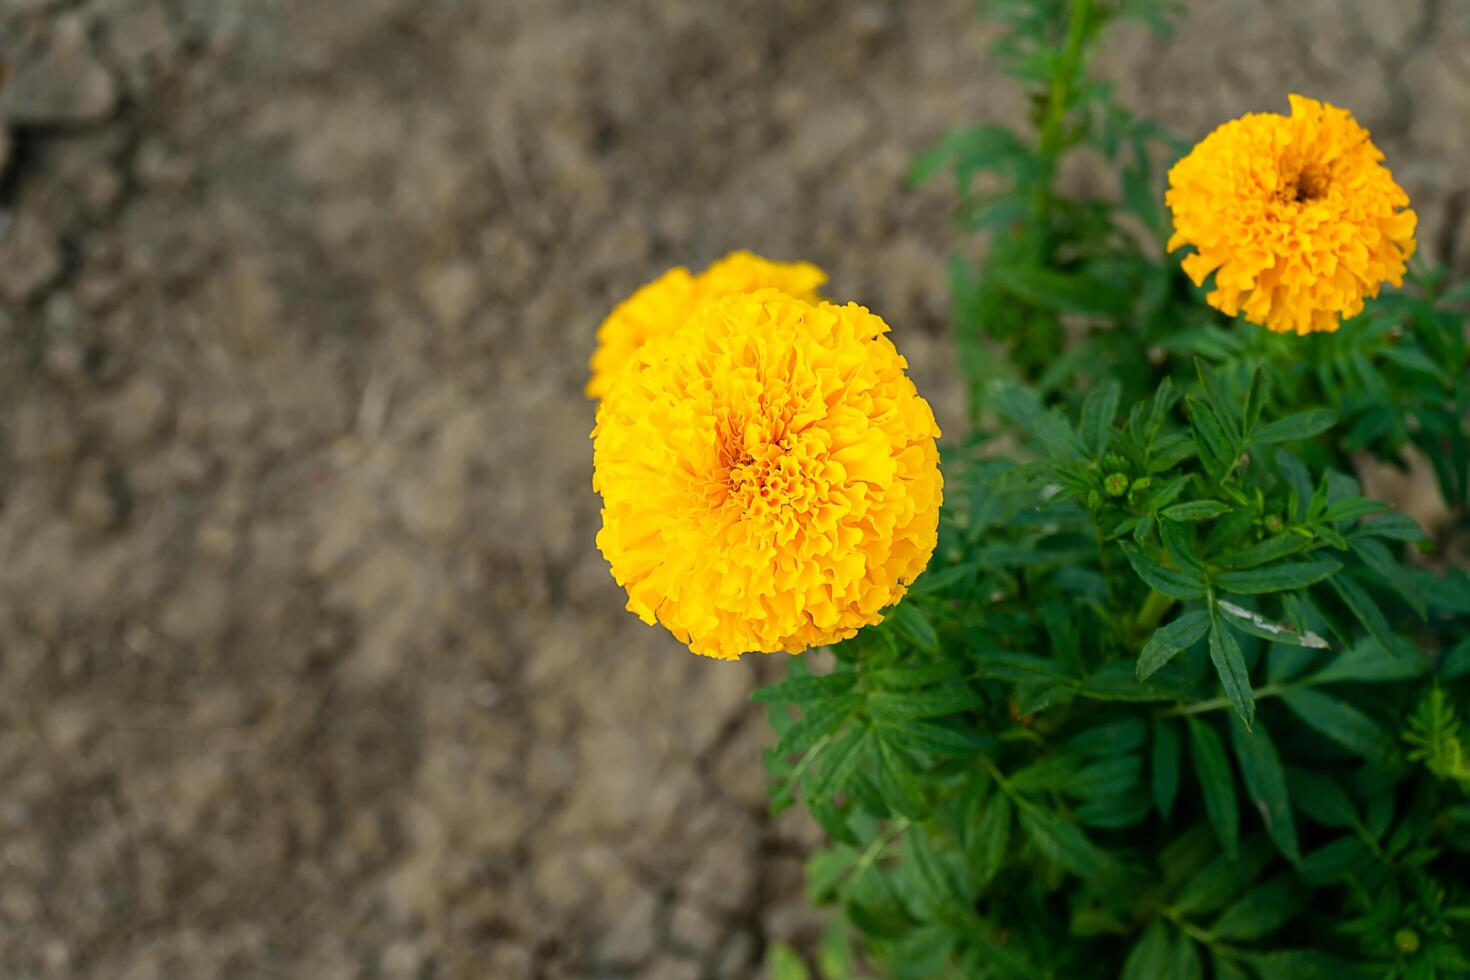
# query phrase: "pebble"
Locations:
[[63, 87], [29, 259]]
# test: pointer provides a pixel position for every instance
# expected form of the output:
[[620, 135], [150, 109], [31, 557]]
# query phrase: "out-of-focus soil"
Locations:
[[308, 665]]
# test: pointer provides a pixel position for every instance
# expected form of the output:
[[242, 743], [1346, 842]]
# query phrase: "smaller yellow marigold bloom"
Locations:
[[769, 475], [663, 305], [1296, 216]]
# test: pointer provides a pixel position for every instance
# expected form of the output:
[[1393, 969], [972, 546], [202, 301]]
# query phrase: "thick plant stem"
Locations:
[[1153, 610]]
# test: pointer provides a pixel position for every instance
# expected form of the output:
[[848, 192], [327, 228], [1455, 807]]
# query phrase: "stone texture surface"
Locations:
[[308, 667]]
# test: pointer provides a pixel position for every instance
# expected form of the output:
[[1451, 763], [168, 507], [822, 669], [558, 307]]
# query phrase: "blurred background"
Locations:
[[308, 665]]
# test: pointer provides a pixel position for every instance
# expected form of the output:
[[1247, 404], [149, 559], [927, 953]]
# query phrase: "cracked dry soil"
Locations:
[[308, 666]]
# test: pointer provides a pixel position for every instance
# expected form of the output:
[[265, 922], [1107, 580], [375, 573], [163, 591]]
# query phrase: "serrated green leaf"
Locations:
[[1377, 557], [989, 846], [1261, 911], [1098, 411], [1022, 406], [838, 763], [1165, 766], [820, 719], [1066, 844], [1272, 548], [1257, 625], [1302, 425], [1114, 738], [1265, 781], [1149, 957], [1350, 507], [1174, 584], [1368, 662], [939, 739], [1230, 666], [912, 622], [1284, 577], [1196, 510], [804, 690], [935, 702], [783, 962], [1399, 527], [1341, 722], [1321, 798], [1217, 783], [1214, 885], [1168, 640], [1356, 598]]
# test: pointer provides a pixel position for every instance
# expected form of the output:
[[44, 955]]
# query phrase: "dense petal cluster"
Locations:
[[663, 305], [769, 475], [1295, 215]]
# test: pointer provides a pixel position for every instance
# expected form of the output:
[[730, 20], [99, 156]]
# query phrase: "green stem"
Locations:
[[1216, 704], [1153, 610]]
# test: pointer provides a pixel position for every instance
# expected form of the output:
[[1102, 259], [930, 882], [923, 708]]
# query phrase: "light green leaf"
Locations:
[[840, 760], [1149, 957], [783, 962], [803, 690], [1196, 510]]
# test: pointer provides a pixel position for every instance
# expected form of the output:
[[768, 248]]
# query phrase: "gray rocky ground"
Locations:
[[308, 667]]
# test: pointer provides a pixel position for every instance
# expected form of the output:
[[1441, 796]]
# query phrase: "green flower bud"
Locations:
[[1407, 941], [1116, 484]]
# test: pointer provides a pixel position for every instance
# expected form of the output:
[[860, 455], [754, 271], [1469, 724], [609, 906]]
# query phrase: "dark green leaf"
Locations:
[[802, 690], [1269, 550], [1302, 425], [1174, 584], [1277, 578], [939, 739], [1149, 957], [1369, 662], [1340, 722], [1065, 844], [1261, 911], [1356, 598], [935, 702], [988, 848], [1257, 625], [1321, 798], [1217, 783], [1048, 426], [1265, 780], [1399, 527], [1098, 412], [1165, 767], [1230, 666], [916, 626], [1168, 640], [1214, 885], [839, 761], [818, 720]]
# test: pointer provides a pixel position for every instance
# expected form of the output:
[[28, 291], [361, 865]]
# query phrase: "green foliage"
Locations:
[[1175, 698]]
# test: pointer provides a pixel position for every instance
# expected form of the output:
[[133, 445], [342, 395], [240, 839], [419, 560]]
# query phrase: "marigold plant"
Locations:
[[1295, 216], [1176, 697], [769, 475], [663, 305]]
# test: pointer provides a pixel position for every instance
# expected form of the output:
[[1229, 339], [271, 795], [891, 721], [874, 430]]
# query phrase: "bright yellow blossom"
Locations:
[[769, 475], [1296, 216], [663, 305]]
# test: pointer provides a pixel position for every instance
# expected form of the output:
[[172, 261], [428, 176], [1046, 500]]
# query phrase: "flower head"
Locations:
[[1295, 215], [769, 475], [663, 305]]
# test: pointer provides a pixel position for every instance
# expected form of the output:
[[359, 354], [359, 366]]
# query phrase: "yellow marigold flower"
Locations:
[[769, 475], [1295, 215], [663, 305]]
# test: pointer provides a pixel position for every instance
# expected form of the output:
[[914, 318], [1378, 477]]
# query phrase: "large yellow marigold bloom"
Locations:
[[663, 305], [1295, 215], [769, 476]]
